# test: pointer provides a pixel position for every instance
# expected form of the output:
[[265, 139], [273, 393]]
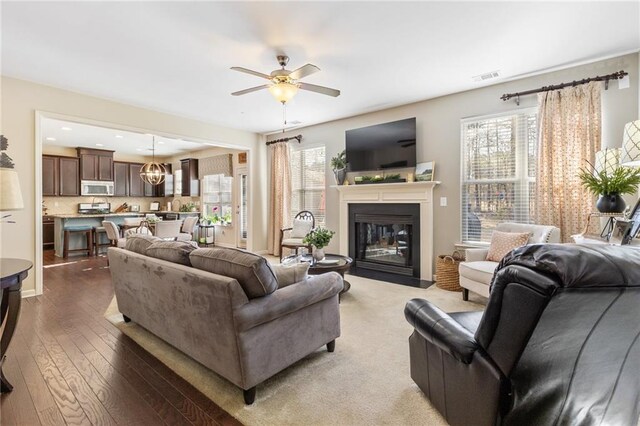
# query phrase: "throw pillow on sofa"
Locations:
[[503, 242], [301, 228], [252, 271], [139, 243], [290, 274], [171, 251]]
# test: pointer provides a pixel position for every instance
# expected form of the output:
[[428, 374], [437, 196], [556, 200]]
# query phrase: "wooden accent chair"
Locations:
[[294, 241]]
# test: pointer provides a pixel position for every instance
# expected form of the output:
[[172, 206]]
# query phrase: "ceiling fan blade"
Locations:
[[248, 71], [252, 89], [304, 71], [320, 89]]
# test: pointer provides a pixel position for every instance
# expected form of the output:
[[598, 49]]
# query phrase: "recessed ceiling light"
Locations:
[[99, 144], [51, 139], [66, 128], [138, 149], [119, 136], [160, 143]]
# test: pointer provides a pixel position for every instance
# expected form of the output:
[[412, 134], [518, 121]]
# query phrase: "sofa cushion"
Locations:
[[481, 271], [171, 251], [139, 243], [252, 271], [503, 242], [290, 274], [301, 228]]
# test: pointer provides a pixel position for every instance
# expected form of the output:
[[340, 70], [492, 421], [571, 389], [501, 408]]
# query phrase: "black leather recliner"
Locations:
[[558, 344]]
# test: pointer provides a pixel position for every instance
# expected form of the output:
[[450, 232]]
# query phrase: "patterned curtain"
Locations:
[[568, 136], [280, 197]]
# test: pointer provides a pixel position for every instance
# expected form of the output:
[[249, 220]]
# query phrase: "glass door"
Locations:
[[241, 207]]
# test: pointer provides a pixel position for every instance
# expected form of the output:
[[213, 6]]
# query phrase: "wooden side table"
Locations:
[[12, 273]]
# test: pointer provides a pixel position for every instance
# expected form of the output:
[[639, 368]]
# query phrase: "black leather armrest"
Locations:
[[440, 329]]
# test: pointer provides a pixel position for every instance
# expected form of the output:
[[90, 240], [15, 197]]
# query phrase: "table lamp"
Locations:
[[631, 144], [10, 195]]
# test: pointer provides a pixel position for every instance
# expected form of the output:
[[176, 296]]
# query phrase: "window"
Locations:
[[216, 197], [307, 182], [498, 172]]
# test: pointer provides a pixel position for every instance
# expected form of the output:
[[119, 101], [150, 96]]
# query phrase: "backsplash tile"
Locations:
[[68, 205]]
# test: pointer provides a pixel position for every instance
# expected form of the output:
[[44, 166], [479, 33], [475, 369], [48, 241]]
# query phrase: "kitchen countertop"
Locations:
[[78, 215]]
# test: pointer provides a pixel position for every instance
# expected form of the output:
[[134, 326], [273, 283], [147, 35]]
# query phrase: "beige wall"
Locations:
[[438, 133], [21, 100]]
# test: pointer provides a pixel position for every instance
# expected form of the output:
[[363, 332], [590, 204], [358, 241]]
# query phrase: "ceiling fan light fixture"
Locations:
[[283, 91]]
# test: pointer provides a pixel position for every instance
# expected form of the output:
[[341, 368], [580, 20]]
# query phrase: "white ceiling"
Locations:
[[73, 135], [175, 56]]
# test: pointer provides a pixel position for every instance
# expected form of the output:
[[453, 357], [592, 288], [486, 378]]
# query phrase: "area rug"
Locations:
[[365, 381]]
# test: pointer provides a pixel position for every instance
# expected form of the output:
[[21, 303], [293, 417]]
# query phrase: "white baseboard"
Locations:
[[28, 293]]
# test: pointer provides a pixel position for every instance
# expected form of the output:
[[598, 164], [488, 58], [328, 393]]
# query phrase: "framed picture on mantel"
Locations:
[[425, 171]]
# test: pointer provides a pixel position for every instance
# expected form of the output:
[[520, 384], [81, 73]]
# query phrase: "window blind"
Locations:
[[498, 171], [216, 196], [308, 182]]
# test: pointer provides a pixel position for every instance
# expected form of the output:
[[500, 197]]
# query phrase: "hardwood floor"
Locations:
[[69, 365]]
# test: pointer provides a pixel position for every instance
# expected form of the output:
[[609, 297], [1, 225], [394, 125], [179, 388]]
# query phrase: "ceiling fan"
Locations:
[[284, 84]]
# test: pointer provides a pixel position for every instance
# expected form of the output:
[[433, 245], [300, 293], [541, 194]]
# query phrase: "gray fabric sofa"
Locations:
[[239, 324]]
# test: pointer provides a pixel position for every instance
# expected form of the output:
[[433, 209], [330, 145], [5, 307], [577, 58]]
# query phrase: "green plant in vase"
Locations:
[[339, 167], [319, 238], [610, 186]]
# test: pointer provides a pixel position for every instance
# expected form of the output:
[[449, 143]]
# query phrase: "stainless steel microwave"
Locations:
[[94, 187]]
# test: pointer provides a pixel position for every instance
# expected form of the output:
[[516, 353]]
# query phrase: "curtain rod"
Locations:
[[298, 138], [605, 78]]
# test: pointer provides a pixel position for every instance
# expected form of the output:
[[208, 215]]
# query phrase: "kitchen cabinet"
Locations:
[[50, 174], [190, 181], [165, 189], [149, 190], [120, 179], [69, 182], [60, 176], [136, 184], [95, 164], [48, 234]]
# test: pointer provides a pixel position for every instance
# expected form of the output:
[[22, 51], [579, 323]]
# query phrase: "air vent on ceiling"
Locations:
[[487, 76], [293, 123]]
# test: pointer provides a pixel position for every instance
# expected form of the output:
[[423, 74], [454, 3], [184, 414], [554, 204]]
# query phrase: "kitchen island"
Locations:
[[77, 219]]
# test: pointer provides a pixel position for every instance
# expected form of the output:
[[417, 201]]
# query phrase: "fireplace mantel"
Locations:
[[406, 192]]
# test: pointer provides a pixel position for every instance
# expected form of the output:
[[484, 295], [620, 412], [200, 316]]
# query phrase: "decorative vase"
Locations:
[[318, 254], [340, 175], [610, 203]]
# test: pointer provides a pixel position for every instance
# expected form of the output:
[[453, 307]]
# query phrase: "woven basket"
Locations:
[[447, 275]]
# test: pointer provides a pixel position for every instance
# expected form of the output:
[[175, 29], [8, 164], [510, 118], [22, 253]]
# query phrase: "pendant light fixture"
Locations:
[[153, 172]]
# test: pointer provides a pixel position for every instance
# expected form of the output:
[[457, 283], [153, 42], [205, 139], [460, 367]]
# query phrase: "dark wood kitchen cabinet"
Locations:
[[60, 176], [48, 232], [165, 189], [190, 181], [120, 179], [50, 175], [136, 184], [96, 164], [69, 176]]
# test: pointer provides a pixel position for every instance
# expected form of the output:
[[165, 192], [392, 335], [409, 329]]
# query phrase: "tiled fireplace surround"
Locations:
[[393, 193]]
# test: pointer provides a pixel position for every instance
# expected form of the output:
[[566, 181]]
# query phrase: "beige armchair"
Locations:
[[303, 223], [476, 272], [168, 229]]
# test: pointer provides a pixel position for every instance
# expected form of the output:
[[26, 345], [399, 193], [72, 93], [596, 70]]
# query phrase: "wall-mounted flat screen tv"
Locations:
[[383, 146]]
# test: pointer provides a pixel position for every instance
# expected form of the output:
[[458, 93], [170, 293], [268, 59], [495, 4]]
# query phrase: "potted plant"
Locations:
[[319, 238], [610, 186], [339, 166]]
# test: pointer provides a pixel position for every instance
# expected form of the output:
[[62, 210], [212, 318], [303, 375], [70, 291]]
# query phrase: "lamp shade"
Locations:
[[631, 144], [283, 91], [607, 160], [10, 195]]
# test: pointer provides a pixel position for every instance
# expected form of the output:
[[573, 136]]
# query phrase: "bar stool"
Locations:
[[70, 230], [97, 232]]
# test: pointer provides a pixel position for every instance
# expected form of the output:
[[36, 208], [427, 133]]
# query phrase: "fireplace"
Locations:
[[385, 237]]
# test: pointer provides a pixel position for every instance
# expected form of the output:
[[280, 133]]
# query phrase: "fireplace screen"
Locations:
[[384, 239]]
